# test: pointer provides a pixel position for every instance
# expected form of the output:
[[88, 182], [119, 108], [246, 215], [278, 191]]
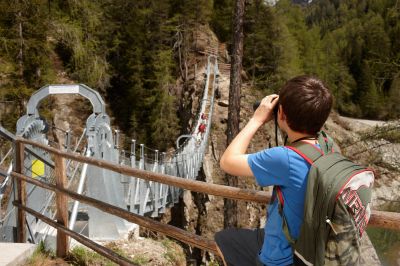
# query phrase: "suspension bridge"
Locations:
[[112, 188], [99, 141]]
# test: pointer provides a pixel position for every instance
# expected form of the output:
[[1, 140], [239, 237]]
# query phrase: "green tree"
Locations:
[[164, 124], [360, 37], [261, 51], [193, 11], [78, 34], [221, 21], [141, 57], [25, 26], [370, 102], [393, 106], [24, 53]]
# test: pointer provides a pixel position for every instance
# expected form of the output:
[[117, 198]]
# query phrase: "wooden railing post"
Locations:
[[62, 207], [21, 191]]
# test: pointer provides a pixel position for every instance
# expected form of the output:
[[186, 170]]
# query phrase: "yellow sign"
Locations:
[[37, 168]]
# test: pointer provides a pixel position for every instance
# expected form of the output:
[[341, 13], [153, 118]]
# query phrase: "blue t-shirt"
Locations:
[[281, 166]]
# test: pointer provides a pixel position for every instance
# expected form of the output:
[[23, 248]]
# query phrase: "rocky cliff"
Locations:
[[203, 214]]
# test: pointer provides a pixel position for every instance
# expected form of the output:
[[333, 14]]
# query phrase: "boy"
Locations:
[[304, 106]]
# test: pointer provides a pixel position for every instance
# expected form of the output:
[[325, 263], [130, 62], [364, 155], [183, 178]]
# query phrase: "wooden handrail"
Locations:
[[78, 237], [382, 219], [177, 233], [193, 185], [390, 220]]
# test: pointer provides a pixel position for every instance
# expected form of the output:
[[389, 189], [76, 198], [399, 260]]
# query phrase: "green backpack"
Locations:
[[336, 206]]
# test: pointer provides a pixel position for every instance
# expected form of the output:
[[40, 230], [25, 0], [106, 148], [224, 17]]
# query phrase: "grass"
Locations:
[[141, 259], [146, 252], [43, 257], [82, 256], [172, 255], [169, 255], [79, 255]]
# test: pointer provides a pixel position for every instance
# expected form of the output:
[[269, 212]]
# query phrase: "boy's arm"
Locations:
[[234, 159]]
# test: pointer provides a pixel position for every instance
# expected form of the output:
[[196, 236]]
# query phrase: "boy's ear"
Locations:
[[281, 114]]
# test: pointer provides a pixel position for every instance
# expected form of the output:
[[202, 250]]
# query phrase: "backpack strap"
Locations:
[[309, 153], [285, 225], [327, 144]]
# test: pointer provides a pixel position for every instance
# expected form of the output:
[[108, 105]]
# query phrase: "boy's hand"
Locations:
[[264, 112], [234, 160]]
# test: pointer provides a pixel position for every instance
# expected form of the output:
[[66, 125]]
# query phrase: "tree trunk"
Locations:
[[254, 47], [21, 45], [230, 210]]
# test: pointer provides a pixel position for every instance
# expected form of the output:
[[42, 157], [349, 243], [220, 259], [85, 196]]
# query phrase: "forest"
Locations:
[[130, 51]]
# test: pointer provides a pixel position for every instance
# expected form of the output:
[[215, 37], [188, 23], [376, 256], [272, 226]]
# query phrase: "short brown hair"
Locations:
[[306, 102]]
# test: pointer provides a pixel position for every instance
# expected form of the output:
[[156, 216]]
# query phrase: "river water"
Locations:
[[387, 242]]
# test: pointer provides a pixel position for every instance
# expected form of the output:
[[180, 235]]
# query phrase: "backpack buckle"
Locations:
[[328, 221]]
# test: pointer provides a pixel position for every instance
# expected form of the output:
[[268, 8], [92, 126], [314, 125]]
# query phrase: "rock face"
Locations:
[[69, 112], [205, 215]]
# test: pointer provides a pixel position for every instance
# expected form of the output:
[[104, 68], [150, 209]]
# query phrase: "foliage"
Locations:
[[133, 52], [352, 45], [23, 54], [362, 32], [15, 96], [123, 49], [77, 33], [142, 57], [262, 50], [23, 30], [221, 21]]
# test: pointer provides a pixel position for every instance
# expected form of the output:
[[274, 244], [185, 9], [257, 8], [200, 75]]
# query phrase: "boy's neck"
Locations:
[[291, 134], [294, 135]]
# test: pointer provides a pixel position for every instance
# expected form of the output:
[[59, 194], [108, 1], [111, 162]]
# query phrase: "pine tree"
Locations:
[[261, 51], [231, 209], [24, 26], [288, 63], [370, 102], [393, 106], [142, 58], [221, 21], [79, 41]]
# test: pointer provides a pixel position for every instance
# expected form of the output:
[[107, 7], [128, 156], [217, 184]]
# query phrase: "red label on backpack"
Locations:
[[359, 211]]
